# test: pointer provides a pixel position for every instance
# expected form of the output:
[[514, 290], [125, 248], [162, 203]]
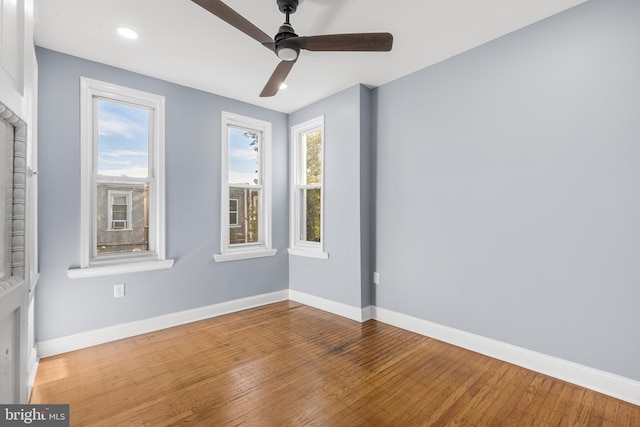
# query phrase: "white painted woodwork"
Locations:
[[18, 105]]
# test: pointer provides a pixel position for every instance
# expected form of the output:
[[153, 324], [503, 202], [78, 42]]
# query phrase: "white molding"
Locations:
[[227, 251], [89, 89], [344, 310], [125, 330], [297, 173], [603, 382], [367, 313], [122, 268], [308, 253], [32, 366], [238, 255]]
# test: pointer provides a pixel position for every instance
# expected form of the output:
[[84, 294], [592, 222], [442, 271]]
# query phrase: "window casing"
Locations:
[[246, 188], [307, 192], [110, 172]]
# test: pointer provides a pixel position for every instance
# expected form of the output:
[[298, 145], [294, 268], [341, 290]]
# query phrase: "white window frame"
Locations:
[[298, 246], [263, 248], [128, 196], [154, 259]]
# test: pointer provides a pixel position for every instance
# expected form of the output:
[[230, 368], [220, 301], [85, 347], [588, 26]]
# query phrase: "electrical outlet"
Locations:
[[118, 290], [376, 278]]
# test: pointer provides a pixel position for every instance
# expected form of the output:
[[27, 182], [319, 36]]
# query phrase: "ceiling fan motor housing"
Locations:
[[283, 52], [286, 31]]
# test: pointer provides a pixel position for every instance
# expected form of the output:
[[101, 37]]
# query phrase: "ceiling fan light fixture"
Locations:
[[287, 53]]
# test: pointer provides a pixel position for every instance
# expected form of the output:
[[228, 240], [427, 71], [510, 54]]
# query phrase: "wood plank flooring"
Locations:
[[287, 364]]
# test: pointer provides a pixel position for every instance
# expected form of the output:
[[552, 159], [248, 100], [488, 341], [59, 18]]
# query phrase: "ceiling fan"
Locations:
[[287, 44]]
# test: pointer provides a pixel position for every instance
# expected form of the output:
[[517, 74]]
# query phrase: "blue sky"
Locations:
[[243, 159], [123, 141]]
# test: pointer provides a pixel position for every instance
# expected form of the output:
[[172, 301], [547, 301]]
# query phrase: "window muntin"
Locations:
[[246, 188], [122, 149], [307, 188]]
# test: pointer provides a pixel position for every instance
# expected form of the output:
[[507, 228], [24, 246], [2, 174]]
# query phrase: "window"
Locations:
[[233, 213], [307, 176], [122, 186], [119, 210], [246, 188]]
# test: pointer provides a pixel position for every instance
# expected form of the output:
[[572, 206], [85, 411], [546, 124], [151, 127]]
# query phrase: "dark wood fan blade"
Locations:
[[359, 42], [236, 20], [277, 78]]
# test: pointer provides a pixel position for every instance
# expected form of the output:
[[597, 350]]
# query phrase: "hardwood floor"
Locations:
[[289, 364]]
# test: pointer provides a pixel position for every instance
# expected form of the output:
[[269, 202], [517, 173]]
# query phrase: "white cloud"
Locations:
[[132, 171], [246, 154], [236, 177], [123, 153], [116, 125]]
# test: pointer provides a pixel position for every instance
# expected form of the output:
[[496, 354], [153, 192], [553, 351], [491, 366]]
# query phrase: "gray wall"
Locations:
[[68, 306], [340, 278], [508, 189]]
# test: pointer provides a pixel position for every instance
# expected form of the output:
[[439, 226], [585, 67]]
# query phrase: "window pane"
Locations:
[[120, 200], [246, 227], [119, 213], [311, 202], [244, 158], [132, 226], [313, 157], [123, 140], [233, 211]]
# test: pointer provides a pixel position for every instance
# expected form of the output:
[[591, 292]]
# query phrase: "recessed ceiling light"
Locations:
[[127, 33], [283, 86]]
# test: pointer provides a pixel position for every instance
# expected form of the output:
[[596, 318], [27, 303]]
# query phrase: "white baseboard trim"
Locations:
[[367, 313], [603, 382], [32, 368], [344, 310], [126, 330]]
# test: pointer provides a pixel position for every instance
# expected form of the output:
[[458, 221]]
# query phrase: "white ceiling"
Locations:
[[183, 43]]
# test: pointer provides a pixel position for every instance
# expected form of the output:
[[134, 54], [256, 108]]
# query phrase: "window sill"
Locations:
[[121, 268], [309, 253], [234, 256]]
